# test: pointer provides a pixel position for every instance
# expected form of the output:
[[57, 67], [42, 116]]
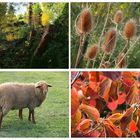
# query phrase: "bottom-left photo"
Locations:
[[34, 104]]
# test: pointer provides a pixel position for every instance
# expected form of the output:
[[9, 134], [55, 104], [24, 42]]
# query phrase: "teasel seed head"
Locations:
[[91, 52], [130, 29], [106, 65], [121, 61], [110, 41], [84, 23], [118, 17]]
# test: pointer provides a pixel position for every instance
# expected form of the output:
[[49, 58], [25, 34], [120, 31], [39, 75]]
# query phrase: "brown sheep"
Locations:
[[19, 96]]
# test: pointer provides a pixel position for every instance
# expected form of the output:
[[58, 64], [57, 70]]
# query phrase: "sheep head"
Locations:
[[42, 86]]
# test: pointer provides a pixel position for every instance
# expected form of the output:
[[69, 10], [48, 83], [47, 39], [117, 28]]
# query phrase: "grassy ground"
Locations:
[[51, 117]]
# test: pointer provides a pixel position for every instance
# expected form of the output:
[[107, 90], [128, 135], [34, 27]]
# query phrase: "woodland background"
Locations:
[[99, 12], [37, 38]]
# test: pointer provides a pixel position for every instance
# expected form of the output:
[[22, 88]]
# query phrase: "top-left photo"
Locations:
[[34, 35]]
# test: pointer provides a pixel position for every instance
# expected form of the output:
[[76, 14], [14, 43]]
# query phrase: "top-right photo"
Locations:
[[105, 35]]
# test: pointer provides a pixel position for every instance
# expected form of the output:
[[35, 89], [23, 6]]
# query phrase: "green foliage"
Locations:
[[52, 117], [19, 40]]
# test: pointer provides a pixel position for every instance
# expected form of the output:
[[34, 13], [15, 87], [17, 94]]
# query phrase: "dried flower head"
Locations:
[[130, 29], [106, 65], [84, 23], [110, 41], [118, 17], [91, 52], [121, 61]]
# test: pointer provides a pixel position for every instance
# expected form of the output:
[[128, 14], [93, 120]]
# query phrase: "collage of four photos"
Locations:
[[69, 69]]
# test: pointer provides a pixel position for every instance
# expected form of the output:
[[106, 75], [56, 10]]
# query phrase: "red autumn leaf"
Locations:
[[127, 118], [92, 112], [132, 126], [121, 98], [92, 102], [133, 95], [94, 76], [112, 75], [111, 129], [105, 88], [128, 81], [74, 101], [112, 105], [84, 125]]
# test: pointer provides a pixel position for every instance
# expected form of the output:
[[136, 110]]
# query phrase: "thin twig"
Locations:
[[94, 128], [75, 78], [127, 52], [104, 54], [104, 24], [115, 46]]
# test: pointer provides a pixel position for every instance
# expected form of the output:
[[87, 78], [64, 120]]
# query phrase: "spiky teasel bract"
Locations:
[[91, 52], [84, 23], [121, 61], [118, 17], [130, 29], [110, 41]]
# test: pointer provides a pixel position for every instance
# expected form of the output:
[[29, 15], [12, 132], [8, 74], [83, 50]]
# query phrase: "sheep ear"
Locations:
[[49, 85], [37, 85]]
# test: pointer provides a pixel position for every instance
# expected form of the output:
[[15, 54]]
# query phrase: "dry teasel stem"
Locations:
[[91, 52], [121, 60], [84, 23], [83, 27], [118, 17], [110, 41], [130, 29]]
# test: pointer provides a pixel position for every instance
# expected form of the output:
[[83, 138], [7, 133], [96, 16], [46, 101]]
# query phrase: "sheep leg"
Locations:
[[20, 114], [33, 117], [1, 117], [29, 118]]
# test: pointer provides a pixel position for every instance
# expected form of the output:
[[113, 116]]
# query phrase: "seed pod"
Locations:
[[122, 61], [92, 52], [106, 65], [110, 41], [84, 23], [130, 29], [118, 17]]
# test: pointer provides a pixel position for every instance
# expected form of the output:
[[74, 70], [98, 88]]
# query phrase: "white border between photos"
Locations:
[[69, 69]]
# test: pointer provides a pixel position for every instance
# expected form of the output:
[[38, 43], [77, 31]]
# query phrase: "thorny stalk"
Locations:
[[100, 39], [128, 51]]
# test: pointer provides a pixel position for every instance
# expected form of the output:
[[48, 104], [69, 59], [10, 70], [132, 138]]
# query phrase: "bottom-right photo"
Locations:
[[105, 104]]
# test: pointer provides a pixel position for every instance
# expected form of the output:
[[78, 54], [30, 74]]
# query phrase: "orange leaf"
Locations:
[[84, 125], [92, 112], [76, 118], [111, 129], [115, 117], [133, 95], [127, 118], [138, 123], [132, 126], [74, 101], [105, 88]]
